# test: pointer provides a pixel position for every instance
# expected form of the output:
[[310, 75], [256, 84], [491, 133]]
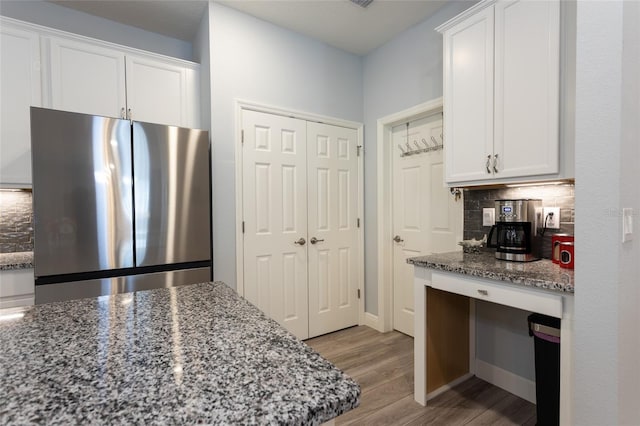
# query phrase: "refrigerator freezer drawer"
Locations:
[[48, 293]]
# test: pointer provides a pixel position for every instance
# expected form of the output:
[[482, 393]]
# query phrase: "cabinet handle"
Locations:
[[495, 163], [129, 114], [488, 164], [483, 292], [123, 114]]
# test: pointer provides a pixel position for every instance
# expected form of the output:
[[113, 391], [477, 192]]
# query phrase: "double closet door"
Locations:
[[300, 204]]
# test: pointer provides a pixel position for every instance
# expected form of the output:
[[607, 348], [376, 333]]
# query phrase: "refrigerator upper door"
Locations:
[[172, 193], [82, 192]]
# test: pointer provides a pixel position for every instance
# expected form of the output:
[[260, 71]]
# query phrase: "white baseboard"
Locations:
[[517, 385], [16, 301], [443, 389], [371, 320]]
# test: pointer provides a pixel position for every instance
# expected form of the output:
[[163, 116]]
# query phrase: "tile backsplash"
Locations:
[[562, 196], [16, 221]]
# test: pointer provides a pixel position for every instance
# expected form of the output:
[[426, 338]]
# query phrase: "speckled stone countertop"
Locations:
[[20, 260], [542, 273], [184, 355]]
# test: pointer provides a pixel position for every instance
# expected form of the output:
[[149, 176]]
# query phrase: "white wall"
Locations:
[[257, 61], [65, 19], [398, 75], [629, 288], [607, 347]]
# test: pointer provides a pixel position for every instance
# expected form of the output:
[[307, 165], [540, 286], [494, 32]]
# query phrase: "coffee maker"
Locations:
[[517, 230]]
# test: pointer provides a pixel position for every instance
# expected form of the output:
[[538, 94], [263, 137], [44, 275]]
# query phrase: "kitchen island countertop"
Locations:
[[19, 260], [543, 273], [190, 354]]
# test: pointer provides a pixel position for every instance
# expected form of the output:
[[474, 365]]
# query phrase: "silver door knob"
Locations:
[[397, 239], [314, 240], [301, 241]]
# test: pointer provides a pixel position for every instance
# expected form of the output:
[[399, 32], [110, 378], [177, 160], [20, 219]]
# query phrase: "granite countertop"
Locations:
[[20, 260], [190, 354], [541, 273]]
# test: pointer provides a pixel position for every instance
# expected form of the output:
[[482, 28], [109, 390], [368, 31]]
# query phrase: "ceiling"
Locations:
[[338, 23]]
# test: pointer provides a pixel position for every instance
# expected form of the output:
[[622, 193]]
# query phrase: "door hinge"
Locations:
[[358, 293], [243, 226], [359, 147], [242, 136], [358, 222]]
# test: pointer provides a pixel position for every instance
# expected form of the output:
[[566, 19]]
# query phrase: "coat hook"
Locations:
[[434, 141], [401, 149], [409, 149], [425, 143], [416, 144]]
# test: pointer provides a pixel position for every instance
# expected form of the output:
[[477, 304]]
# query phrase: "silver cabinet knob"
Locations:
[[301, 241], [397, 239], [314, 240]]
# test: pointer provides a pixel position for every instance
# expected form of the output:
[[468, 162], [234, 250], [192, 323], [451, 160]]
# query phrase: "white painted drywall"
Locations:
[[73, 21], [607, 347], [629, 288], [502, 339], [404, 72], [257, 61]]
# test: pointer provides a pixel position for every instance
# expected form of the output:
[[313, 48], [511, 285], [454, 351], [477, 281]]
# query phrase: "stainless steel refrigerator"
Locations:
[[119, 206]]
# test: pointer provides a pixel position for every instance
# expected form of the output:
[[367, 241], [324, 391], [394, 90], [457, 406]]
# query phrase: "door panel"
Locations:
[[171, 175], [146, 102], [82, 192], [275, 216], [425, 215], [333, 191], [85, 78]]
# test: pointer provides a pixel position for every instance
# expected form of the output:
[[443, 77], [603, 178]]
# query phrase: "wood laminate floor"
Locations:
[[383, 366]]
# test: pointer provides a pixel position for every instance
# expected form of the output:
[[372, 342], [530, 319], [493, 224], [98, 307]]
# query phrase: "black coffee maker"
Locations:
[[516, 236]]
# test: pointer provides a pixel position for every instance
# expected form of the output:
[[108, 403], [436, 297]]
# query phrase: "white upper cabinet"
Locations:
[[93, 78], [86, 78], [19, 89], [160, 92], [501, 92], [468, 98]]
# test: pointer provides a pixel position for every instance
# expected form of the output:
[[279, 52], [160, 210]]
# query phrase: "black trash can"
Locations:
[[546, 337]]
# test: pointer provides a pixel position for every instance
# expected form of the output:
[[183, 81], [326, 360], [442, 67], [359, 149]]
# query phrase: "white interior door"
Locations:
[[275, 218], [332, 206], [426, 217]]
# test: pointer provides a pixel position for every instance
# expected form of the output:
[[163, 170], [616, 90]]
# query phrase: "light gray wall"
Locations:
[[629, 287], [257, 61], [402, 73], [65, 19], [502, 339], [607, 300]]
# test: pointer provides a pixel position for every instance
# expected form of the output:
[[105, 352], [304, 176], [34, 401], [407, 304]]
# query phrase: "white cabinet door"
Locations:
[[526, 87], [332, 174], [468, 98], [86, 78], [157, 92], [426, 217], [275, 215], [20, 89]]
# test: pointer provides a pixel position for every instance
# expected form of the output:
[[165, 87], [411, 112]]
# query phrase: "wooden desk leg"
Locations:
[[420, 338]]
